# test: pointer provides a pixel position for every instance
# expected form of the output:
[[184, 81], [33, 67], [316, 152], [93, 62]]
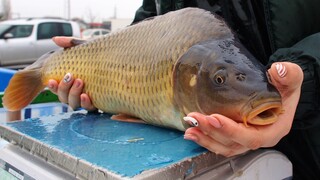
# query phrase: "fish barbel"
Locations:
[[159, 70]]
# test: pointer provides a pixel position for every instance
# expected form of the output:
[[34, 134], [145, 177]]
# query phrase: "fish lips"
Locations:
[[261, 112]]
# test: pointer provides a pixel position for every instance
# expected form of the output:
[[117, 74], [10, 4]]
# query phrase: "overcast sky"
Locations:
[[86, 9]]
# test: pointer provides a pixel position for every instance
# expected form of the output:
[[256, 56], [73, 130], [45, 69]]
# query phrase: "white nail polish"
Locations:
[[192, 120], [281, 69], [67, 78]]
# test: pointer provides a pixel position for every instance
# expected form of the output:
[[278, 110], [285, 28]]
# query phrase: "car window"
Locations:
[[96, 33], [86, 32], [4, 28], [49, 30], [18, 31], [66, 29], [105, 32]]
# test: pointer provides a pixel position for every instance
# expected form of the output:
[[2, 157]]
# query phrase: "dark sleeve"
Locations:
[[306, 54], [147, 10]]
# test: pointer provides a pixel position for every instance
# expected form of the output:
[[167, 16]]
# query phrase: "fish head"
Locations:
[[221, 76]]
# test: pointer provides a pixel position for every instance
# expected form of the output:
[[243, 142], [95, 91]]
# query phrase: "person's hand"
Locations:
[[67, 42], [69, 90], [224, 136]]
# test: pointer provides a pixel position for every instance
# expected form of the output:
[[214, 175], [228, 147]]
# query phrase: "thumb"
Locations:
[[63, 41], [286, 77]]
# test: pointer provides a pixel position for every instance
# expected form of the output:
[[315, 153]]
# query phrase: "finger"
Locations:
[[289, 87], [229, 132], [285, 76], [210, 128], [196, 118], [74, 94], [86, 103], [248, 137], [64, 88], [53, 86], [63, 41], [212, 145]]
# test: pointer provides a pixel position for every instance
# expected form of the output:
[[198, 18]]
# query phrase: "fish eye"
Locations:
[[219, 79]]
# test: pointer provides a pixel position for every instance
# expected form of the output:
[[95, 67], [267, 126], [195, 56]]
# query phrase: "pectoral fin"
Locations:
[[127, 118]]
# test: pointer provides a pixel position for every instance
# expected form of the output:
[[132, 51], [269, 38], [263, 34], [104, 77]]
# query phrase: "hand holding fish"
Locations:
[[224, 136], [69, 90]]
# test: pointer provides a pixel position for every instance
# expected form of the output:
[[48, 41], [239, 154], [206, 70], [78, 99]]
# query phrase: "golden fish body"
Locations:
[[131, 71]]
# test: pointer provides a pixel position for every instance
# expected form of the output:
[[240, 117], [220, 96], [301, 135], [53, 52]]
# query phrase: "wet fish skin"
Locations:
[[137, 70], [245, 87]]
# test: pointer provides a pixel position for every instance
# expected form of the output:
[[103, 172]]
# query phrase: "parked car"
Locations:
[[93, 33], [23, 41]]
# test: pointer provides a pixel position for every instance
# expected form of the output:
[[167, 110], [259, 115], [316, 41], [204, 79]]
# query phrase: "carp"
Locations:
[[159, 70]]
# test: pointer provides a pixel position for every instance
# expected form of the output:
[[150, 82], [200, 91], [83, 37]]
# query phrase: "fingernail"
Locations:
[[67, 78], [192, 121], [190, 137], [82, 99], [214, 121], [50, 85], [281, 69], [77, 83]]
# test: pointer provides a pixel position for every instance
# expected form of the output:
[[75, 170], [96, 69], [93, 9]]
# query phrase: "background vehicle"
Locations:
[[93, 33], [23, 41]]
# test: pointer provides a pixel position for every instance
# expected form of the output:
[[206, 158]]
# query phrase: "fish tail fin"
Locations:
[[23, 87]]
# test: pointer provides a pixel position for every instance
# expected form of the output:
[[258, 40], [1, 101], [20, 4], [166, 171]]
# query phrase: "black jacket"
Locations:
[[275, 30]]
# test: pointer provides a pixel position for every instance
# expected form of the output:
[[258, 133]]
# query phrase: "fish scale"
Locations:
[[132, 71]]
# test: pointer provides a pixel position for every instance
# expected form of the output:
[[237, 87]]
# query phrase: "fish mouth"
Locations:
[[262, 113]]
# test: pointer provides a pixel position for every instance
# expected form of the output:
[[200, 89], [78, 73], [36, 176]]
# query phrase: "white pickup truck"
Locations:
[[23, 41]]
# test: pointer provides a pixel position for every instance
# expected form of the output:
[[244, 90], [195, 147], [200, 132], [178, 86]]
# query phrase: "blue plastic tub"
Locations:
[[5, 76]]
